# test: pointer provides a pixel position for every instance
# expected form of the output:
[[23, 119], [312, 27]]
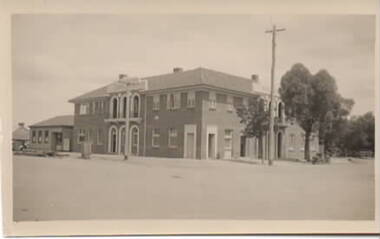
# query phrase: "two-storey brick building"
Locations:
[[183, 114]]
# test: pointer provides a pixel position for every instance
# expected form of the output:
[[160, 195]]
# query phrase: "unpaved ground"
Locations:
[[74, 189]]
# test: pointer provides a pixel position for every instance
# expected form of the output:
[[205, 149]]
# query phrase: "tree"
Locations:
[[314, 101], [339, 125], [328, 107], [360, 134], [297, 93], [255, 117]]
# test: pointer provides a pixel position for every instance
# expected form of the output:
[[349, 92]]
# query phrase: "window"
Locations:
[[212, 101], [46, 136], [39, 137], [59, 138], [81, 135], [245, 102], [84, 109], [101, 107], [292, 140], [173, 101], [228, 139], [191, 99], [33, 136], [230, 103], [99, 137], [155, 138], [156, 102], [136, 106], [89, 135], [124, 103], [114, 108], [172, 138]]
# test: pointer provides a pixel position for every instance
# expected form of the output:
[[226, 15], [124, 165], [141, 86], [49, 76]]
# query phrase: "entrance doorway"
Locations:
[[243, 146], [134, 136], [190, 145], [113, 140], [57, 143], [211, 145], [279, 145]]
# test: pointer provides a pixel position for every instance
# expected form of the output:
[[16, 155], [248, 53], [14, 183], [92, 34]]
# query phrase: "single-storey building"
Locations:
[[20, 137], [54, 134]]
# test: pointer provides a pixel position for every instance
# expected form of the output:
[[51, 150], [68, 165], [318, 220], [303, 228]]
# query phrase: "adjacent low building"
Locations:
[[183, 114], [20, 137], [53, 135]]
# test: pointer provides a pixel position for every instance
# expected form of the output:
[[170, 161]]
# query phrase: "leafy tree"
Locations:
[[297, 93], [315, 103], [360, 134], [339, 125], [255, 117], [328, 107]]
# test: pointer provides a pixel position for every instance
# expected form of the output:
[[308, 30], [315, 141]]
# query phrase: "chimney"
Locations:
[[177, 69], [122, 76], [21, 124], [255, 78]]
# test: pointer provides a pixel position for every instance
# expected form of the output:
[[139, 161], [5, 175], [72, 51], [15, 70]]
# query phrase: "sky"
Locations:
[[58, 57]]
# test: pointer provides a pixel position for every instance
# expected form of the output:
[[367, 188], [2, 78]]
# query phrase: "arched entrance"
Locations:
[[112, 136], [279, 145], [134, 137]]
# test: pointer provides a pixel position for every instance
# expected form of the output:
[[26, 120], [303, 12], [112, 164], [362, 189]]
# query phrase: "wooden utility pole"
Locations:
[[127, 113], [271, 105]]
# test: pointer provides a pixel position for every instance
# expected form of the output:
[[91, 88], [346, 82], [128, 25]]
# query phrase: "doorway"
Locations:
[[279, 145], [211, 145], [243, 146], [134, 136], [190, 145]]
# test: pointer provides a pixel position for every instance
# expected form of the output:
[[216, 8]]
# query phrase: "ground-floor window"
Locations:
[[34, 136], [46, 136], [155, 138], [172, 137], [99, 136], [39, 137]]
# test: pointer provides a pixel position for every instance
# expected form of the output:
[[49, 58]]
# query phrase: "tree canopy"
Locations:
[[314, 101]]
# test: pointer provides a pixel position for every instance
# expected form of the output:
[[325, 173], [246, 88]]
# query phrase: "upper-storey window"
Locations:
[[191, 99], [173, 101], [114, 107], [212, 100], [124, 105], [136, 106], [156, 102], [230, 103], [84, 109]]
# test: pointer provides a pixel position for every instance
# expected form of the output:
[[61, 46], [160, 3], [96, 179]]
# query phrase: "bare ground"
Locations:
[[75, 189]]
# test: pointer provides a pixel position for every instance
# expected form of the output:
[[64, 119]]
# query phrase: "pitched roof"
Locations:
[[198, 76], [63, 120], [21, 133]]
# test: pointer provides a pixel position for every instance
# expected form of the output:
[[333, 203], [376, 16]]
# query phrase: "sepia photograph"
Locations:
[[193, 117]]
